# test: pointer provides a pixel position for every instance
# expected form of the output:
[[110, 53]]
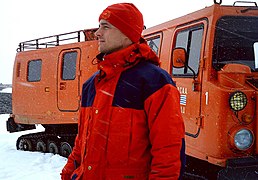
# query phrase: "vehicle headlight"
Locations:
[[243, 139], [237, 101]]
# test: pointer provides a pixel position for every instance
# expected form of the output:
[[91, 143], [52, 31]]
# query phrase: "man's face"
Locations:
[[110, 38]]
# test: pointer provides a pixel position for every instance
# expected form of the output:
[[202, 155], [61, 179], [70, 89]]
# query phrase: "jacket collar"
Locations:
[[125, 58]]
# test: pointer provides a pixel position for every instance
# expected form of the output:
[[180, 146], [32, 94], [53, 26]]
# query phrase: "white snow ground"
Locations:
[[23, 165], [6, 90]]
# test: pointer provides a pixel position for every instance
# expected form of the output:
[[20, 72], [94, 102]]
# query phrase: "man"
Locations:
[[130, 123]]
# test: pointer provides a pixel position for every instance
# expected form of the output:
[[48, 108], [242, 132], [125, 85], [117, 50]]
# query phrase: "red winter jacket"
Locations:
[[130, 123]]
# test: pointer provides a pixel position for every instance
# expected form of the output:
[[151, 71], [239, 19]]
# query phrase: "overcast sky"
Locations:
[[23, 20]]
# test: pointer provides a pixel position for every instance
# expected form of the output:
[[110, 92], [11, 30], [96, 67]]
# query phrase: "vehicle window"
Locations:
[[69, 65], [256, 54], [154, 44], [34, 70], [195, 50], [191, 41], [234, 41], [181, 41]]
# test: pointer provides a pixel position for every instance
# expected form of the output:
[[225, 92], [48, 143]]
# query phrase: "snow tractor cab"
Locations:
[[212, 56]]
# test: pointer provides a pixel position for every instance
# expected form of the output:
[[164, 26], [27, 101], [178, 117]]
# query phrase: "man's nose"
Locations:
[[97, 33]]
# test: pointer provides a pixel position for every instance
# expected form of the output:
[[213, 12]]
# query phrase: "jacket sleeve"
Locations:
[[74, 158], [166, 133]]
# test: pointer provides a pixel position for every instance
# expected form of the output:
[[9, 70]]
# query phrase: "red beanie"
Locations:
[[126, 17]]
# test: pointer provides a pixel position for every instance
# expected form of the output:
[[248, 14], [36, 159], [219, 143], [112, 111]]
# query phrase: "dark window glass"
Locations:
[[154, 44], [34, 70], [191, 41], [234, 41], [69, 66]]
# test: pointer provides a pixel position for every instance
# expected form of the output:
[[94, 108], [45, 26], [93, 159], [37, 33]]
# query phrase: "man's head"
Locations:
[[120, 25]]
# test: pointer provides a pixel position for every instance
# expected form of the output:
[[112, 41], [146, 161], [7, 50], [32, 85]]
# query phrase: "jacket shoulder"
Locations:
[[136, 84]]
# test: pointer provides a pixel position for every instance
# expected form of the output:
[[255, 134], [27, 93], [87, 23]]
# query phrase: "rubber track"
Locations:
[[47, 137]]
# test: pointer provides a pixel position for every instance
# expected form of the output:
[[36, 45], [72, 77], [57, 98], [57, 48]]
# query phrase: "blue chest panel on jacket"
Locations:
[[88, 92], [135, 85]]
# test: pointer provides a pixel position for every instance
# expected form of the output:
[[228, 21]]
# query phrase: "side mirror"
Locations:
[[179, 57]]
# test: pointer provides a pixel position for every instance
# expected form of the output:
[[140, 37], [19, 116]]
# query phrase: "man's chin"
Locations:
[[103, 50]]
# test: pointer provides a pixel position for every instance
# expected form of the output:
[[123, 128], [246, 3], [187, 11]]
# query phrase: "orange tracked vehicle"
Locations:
[[212, 55], [47, 79]]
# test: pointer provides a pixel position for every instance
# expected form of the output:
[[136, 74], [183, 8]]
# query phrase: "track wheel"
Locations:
[[52, 147], [24, 144], [65, 149], [41, 146]]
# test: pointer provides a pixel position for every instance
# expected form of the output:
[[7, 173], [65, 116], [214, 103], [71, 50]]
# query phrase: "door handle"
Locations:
[[62, 86]]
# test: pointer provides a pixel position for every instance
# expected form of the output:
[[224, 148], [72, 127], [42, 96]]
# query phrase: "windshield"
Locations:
[[235, 39]]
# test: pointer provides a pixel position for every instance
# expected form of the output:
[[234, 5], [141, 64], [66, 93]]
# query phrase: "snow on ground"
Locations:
[[23, 165], [7, 90]]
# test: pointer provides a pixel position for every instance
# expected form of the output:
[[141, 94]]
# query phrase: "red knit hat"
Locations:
[[126, 17]]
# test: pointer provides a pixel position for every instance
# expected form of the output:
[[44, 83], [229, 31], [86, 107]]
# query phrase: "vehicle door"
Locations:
[[68, 81], [188, 79]]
